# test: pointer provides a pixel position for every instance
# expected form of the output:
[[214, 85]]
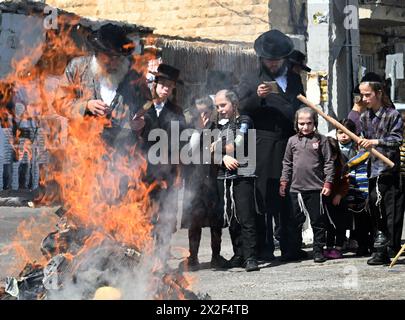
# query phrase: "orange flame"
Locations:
[[87, 174]]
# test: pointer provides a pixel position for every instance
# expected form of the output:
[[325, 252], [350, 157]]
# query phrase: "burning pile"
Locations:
[[104, 239], [104, 234]]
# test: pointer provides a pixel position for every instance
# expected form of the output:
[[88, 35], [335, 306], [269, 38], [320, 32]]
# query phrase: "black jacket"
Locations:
[[170, 114], [275, 113]]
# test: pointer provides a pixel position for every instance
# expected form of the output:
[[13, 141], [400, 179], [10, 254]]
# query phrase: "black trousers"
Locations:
[[270, 148], [388, 215], [336, 232], [363, 229], [194, 239], [312, 201], [275, 207], [242, 226]]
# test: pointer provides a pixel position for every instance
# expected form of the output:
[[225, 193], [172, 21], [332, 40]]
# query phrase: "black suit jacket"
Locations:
[[171, 117], [275, 113]]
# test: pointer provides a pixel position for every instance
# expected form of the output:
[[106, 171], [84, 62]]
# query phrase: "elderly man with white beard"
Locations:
[[104, 85]]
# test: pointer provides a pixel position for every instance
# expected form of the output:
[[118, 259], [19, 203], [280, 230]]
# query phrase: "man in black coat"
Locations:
[[269, 98]]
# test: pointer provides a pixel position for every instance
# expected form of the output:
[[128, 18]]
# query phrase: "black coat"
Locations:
[[169, 114], [273, 119], [201, 203], [275, 113], [167, 175]]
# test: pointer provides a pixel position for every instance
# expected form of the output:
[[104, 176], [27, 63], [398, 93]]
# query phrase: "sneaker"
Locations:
[[219, 262], [251, 265], [190, 264], [236, 262], [332, 254]]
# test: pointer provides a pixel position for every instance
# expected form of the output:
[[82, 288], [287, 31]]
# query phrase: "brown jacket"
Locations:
[[308, 163], [80, 85], [340, 183]]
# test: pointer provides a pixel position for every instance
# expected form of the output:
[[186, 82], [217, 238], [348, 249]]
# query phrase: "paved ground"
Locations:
[[349, 278]]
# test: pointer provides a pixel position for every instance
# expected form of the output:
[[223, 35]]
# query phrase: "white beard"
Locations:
[[109, 79]]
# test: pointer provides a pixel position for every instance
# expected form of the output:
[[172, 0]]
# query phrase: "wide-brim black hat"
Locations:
[[168, 72], [371, 77], [111, 39], [298, 58], [273, 45]]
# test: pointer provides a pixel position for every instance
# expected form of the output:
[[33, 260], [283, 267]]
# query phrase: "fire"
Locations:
[[24, 247], [102, 190]]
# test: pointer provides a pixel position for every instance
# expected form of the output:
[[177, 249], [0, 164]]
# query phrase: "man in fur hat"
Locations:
[[269, 98], [104, 84]]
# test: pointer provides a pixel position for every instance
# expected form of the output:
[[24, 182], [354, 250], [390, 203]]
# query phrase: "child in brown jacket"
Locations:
[[308, 174], [336, 207]]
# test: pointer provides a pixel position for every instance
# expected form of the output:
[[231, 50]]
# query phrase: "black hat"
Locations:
[[112, 39], [371, 77], [273, 45], [166, 71], [298, 58], [356, 90]]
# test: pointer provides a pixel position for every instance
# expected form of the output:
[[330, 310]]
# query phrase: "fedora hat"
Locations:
[[168, 72], [111, 39], [273, 45], [371, 77], [298, 58]]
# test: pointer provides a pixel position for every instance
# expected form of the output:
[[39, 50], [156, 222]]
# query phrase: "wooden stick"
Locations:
[[339, 126], [397, 256]]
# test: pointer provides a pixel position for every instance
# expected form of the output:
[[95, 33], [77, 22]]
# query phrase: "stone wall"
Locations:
[[235, 20]]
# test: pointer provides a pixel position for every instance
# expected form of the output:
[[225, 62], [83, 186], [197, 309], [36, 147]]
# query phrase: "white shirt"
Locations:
[[107, 92], [282, 81], [159, 107]]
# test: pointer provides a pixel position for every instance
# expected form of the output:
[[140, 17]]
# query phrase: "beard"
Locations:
[[279, 72], [108, 76]]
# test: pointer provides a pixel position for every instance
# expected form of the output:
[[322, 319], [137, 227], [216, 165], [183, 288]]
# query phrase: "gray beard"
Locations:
[[109, 79]]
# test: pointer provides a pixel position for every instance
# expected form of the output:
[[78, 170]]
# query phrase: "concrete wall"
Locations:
[[289, 16], [20, 37]]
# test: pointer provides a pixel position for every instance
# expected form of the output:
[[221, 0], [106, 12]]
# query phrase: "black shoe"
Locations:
[[295, 256], [190, 264], [235, 262], [266, 257], [251, 265], [219, 262], [318, 257], [378, 259]]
